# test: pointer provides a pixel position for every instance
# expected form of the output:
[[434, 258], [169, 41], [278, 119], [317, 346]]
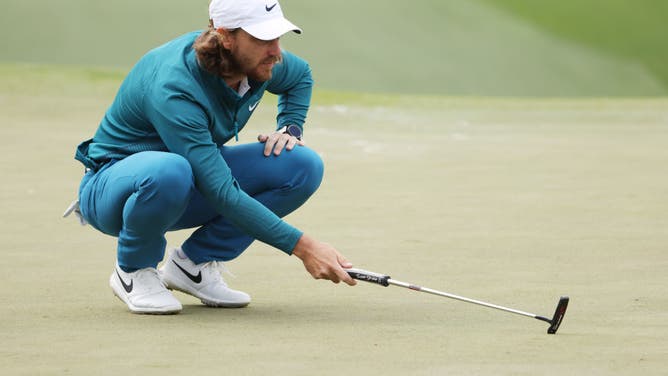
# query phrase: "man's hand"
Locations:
[[278, 141], [322, 260]]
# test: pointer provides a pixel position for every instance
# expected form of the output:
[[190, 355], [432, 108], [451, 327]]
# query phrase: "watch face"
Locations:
[[294, 131]]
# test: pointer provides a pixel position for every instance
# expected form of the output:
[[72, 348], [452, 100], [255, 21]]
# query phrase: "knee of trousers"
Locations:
[[168, 185], [309, 169]]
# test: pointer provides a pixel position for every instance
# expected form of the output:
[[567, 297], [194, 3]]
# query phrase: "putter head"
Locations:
[[558, 315]]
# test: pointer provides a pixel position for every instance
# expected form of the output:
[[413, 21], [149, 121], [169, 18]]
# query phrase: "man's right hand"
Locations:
[[322, 260]]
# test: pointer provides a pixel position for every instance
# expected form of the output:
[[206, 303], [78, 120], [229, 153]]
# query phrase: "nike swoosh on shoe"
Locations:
[[195, 278], [128, 288]]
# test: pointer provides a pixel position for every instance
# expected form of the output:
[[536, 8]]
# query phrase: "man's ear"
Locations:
[[227, 37]]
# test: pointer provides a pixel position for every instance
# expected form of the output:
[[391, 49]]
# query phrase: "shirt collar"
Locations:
[[244, 87]]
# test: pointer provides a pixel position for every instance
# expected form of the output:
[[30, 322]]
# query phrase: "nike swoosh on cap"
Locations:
[[195, 278], [128, 288], [269, 8]]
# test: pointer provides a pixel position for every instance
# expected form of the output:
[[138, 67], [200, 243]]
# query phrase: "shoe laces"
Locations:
[[150, 278], [218, 268]]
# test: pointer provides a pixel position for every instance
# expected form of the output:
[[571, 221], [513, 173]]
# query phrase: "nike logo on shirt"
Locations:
[[269, 8], [252, 106], [195, 278], [128, 288]]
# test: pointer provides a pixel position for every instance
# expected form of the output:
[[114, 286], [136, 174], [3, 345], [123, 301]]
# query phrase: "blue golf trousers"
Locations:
[[141, 197]]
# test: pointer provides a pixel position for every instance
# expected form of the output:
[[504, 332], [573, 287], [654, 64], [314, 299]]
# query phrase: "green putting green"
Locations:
[[512, 201]]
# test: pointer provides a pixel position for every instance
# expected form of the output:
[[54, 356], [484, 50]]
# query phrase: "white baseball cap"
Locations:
[[262, 19]]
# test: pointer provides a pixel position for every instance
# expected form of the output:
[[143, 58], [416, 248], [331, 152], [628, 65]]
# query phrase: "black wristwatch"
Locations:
[[292, 130]]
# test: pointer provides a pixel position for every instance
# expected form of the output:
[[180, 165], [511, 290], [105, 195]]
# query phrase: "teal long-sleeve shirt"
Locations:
[[168, 102]]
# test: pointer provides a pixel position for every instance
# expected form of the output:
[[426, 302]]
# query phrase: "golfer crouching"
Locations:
[[160, 161]]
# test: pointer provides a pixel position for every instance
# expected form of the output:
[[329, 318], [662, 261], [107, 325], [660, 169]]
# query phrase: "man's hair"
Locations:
[[211, 54]]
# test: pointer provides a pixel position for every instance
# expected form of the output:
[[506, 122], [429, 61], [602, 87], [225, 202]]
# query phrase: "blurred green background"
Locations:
[[444, 47]]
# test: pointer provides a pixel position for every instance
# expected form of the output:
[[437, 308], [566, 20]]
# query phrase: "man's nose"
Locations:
[[274, 47]]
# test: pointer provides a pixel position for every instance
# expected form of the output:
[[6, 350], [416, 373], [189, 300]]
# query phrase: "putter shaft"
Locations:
[[385, 280], [468, 300]]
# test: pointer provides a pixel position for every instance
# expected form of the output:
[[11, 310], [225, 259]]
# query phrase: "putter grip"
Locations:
[[367, 276]]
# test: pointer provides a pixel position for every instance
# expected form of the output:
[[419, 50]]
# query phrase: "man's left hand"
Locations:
[[278, 141]]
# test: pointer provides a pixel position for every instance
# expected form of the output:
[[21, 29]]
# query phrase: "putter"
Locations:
[[386, 280]]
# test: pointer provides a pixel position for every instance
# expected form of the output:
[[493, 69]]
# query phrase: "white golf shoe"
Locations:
[[203, 281], [143, 291]]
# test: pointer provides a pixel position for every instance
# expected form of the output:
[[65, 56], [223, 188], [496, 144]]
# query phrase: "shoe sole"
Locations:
[[209, 303], [141, 311], [223, 305]]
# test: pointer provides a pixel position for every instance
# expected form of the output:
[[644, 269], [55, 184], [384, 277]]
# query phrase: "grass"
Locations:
[[427, 47], [596, 23], [512, 201]]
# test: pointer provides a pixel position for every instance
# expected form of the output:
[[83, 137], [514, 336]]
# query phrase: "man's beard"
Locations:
[[240, 66], [233, 65]]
